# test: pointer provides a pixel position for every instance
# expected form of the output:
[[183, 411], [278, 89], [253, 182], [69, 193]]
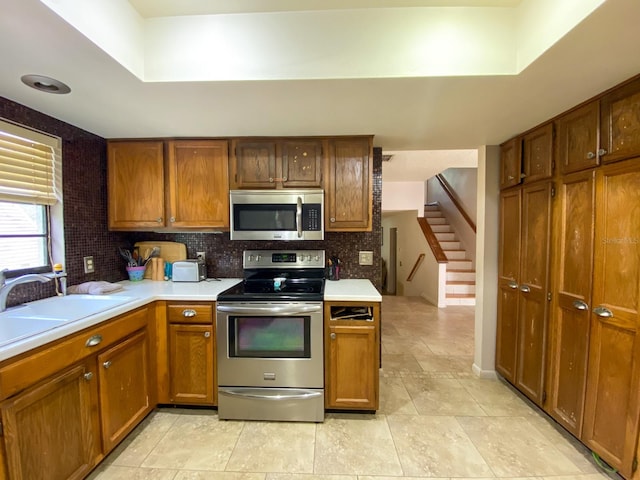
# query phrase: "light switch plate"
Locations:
[[365, 258], [88, 264]]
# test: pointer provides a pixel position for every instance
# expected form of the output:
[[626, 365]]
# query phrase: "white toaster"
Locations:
[[188, 271]]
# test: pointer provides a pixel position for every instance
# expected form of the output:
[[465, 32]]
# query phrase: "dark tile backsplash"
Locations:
[[85, 219]]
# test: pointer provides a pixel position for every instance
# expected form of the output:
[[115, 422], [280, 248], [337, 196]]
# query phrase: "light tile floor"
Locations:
[[436, 420]]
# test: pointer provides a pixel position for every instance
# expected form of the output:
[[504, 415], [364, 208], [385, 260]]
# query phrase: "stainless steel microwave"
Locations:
[[277, 214]]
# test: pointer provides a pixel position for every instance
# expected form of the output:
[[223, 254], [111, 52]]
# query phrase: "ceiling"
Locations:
[[126, 98]]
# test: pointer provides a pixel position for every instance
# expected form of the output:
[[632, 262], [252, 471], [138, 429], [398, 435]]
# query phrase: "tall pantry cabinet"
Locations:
[[591, 350]]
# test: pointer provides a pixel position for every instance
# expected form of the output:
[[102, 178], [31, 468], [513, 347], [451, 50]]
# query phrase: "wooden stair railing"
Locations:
[[454, 198], [433, 242], [415, 267]]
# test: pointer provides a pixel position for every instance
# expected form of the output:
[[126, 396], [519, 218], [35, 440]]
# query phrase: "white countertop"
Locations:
[[141, 293], [351, 290]]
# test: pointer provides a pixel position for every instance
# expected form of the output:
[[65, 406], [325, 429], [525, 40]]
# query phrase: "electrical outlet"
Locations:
[[201, 256], [365, 258], [88, 265]]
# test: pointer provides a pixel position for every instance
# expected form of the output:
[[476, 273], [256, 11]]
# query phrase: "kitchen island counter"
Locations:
[[351, 290]]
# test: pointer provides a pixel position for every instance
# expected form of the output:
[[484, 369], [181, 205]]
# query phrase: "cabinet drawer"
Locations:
[[190, 313], [48, 360]]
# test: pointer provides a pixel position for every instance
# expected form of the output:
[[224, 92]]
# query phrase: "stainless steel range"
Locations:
[[270, 339]]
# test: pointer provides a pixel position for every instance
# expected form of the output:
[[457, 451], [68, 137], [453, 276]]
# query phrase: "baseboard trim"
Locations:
[[478, 372]]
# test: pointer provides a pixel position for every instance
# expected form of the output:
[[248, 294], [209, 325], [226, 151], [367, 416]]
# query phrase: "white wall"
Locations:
[[487, 261], [464, 183], [411, 243], [397, 196]]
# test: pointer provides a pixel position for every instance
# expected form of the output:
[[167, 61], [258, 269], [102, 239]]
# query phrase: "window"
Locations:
[[30, 200]]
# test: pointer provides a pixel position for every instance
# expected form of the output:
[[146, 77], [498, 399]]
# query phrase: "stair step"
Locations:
[[460, 299], [441, 228], [459, 265], [433, 214], [460, 287], [431, 208], [446, 236], [455, 254], [461, 275], [451, 246], [437, 221]]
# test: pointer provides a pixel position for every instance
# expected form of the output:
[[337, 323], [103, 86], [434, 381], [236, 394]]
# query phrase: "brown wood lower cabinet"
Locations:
[[352, 336], [50, 430]]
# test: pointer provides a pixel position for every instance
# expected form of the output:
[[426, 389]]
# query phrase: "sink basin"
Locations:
[[69, 308], [12, 330]]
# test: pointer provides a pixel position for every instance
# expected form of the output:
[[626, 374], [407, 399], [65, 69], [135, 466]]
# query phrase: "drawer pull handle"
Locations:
[[88, 376], [603, 312], [580, 305], [525, 288], [107, 364], [93, 341], [512, 285], [189, 313], [207, 334]]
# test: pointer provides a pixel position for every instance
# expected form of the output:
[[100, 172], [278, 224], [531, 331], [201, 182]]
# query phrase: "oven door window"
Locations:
[[269, 337], [264, 217]]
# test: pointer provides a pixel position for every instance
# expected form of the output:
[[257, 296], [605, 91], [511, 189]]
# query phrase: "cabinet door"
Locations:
[[511, 163], [301, 163], [577, 139], [349, 190], [613, 389], [352, 370], [253, 165], [508, 276], [537, 154], [136, 185], [198, 184], [533, 286], [620, 123], [50, 431], [191, 364], [570, 323], [123, 372]]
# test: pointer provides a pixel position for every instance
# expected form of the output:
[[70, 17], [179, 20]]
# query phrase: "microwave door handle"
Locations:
[[299, 217]]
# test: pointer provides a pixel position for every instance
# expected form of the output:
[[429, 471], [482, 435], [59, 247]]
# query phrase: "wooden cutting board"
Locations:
[[169, 251]]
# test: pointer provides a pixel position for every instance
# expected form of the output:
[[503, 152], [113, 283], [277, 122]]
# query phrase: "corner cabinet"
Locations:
[[186, 189], [349, 185], [352, 337]]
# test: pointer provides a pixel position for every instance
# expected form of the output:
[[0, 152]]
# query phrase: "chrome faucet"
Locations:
[[7, 285]]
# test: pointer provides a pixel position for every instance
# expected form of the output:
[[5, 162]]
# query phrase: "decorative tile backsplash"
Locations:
[[85, 219]]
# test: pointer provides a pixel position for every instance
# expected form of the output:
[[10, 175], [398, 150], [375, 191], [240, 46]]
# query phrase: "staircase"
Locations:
[[461, 277]]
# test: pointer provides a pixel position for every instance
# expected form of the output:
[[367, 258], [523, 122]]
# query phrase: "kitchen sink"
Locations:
[[68, 308], [12, 330]]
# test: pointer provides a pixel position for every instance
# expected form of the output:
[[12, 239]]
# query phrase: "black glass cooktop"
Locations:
[[278, 285]]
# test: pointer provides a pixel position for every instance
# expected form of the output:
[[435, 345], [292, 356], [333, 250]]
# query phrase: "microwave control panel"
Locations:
[[311, 217]]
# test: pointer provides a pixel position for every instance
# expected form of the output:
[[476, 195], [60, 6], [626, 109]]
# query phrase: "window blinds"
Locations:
[[28, 167]]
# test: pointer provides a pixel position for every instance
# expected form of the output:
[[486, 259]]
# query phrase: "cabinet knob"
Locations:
[[270, 179], [172, 219], [602, 152], [107, 364], [93, 341], [159, 219], [333, 336], [603, 312], [510, 177], [332, 219], [580, 305], [189, 313], [525, 288], [207, 334], [591, 155], [284, 179], [88, 376]]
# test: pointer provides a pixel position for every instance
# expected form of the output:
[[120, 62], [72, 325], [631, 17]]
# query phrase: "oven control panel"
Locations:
[[283, 259]]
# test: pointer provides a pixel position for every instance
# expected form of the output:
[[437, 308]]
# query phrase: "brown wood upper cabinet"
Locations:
[[537, 154], [577, 139], [194, 174], [276, 163], [620, 123], [511, 163], [349, 185]]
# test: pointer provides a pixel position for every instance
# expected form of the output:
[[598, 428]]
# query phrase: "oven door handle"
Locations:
[[275, 309], [299, 216], [277, 394]]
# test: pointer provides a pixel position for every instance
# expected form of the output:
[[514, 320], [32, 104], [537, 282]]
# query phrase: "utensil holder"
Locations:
[[136, 274]]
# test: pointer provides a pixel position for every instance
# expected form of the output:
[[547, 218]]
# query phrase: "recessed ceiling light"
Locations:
[[45, 84]]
